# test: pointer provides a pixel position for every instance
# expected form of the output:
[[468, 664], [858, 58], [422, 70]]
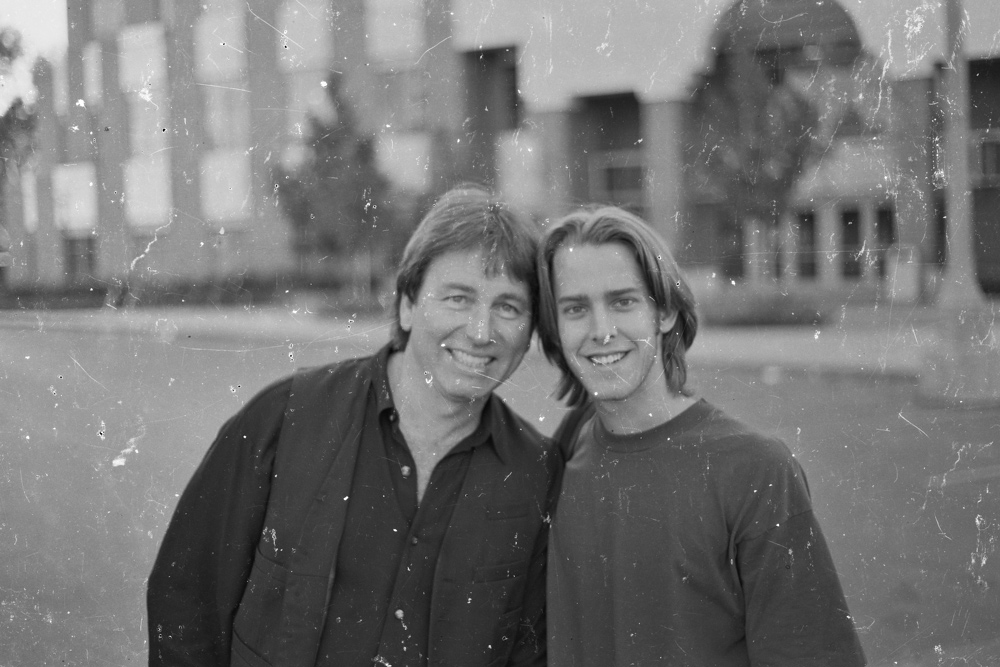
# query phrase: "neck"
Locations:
[[425, 416], [627, 416]]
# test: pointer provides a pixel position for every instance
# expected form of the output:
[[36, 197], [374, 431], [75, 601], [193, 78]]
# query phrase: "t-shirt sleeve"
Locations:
[[796, 613], [203, 563]]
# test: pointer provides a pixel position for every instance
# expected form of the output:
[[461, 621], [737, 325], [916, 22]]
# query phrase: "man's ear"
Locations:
[[405, 314], [667, 321]]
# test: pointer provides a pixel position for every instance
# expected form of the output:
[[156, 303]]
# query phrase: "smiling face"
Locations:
[[467, 331], [609, 328]]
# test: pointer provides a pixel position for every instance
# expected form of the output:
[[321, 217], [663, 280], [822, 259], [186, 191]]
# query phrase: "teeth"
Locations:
[[474, 362], [606, 359]]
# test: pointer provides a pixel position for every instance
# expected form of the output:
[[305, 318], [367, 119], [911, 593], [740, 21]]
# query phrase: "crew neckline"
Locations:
[[637, 442]]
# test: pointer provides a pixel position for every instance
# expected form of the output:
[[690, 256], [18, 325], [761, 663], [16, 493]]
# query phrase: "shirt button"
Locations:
[[414, 541], [398, 614], [405, 470], [393, 416]]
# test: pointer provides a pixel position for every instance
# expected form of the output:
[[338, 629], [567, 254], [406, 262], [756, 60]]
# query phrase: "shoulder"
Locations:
[[760, 481], [265, 412], [266, 407], [566, 433], [731, 438], [357, 369], [519, 438]]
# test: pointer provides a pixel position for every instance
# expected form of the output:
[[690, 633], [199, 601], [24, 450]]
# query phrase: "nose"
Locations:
[[602, 326], [480, 326]]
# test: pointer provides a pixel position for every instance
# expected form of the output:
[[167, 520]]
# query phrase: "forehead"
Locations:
[[468, 269], [584, 268]]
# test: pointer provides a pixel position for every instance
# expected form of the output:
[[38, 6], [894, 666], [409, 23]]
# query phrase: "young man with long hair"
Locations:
[[680, 537]]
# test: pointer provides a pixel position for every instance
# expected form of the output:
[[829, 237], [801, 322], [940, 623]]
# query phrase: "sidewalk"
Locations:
[[861, 340]]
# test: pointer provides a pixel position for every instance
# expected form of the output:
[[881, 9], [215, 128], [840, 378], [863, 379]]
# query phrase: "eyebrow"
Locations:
[[614, 294], [572, 298]]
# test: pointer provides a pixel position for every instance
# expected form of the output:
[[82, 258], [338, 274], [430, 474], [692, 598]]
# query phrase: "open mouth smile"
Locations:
[[471, 362], [606, 359]]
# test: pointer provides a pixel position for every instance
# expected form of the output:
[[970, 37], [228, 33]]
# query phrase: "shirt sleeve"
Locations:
[[204, 560], [796, 613]]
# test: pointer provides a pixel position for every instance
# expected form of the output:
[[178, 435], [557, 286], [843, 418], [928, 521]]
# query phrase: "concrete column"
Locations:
[[114, 236], [663, 135], [47, 240], [444, 89], [553, 131]]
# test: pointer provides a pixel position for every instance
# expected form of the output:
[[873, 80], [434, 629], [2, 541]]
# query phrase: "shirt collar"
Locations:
[[488, 426]]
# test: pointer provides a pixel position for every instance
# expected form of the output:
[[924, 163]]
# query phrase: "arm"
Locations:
[[204, 560], [795, 608]]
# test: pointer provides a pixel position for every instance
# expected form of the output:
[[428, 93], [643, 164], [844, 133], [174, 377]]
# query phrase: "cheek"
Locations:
[[569, 335]]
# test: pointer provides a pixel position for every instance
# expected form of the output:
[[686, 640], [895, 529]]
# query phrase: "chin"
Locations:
[[608, 393]]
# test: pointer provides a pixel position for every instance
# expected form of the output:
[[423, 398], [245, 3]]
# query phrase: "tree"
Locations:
[[753, 138], [17, 124], [334, 196]]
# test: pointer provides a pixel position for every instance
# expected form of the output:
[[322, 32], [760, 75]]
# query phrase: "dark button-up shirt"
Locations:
[[381, 598]]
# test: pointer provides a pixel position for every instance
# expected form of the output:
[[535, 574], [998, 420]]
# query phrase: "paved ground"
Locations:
[[856, 340], [103, 416]]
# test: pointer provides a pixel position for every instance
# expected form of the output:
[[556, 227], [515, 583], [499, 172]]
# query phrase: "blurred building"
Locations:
[[159, 136]]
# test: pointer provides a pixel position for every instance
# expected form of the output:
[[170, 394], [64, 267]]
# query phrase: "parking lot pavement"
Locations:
[[860, 340]]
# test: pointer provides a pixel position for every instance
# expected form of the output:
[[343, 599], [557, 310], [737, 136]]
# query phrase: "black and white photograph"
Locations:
[[500, 333]]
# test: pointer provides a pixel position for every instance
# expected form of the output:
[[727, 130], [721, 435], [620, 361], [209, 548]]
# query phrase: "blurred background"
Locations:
[[197, 197]]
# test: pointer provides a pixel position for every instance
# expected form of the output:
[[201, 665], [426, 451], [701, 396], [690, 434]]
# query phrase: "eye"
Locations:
[[457, 299], [626, 302], [574, 310], [509, 310]]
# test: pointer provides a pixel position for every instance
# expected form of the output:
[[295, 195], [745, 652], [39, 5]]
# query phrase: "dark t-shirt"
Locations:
[[693, 543]]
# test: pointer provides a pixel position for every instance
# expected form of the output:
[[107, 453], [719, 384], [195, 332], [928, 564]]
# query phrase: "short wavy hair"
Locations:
[[469, 218], [662, 275]]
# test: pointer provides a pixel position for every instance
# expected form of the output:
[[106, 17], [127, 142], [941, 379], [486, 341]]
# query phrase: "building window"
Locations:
[[142, 76], [220, 70], [306, 41], [617, 177], [885, 236], [610, 134], [850, 242], [807, 245], [225, 186], [394, 30], [148, 194], [74, 197], [220, 47], [80, 257], [989, 159], [492, 105]]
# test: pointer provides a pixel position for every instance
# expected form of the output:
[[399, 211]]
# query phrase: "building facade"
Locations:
[[159, 137]]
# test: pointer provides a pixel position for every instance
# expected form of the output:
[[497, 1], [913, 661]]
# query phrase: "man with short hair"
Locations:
[[679, 537], [387, 510]]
